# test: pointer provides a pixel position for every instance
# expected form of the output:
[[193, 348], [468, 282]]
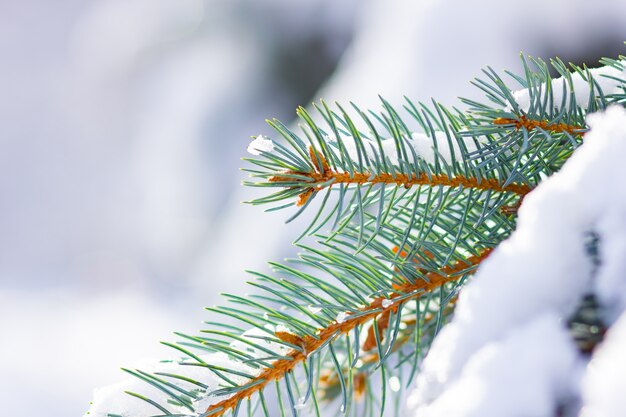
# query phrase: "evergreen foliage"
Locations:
[[410, 202]]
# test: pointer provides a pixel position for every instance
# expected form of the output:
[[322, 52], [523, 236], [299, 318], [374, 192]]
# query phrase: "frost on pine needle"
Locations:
[[301, 404], [341, 317], [314, 309], [260, 144], [540, 271], [386, 303], [610, 285], [258, 343]]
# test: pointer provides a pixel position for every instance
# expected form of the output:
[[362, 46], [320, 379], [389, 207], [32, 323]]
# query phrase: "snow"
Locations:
[[508, 377], [260, 144], [84, 355], [604, 76], [394, 384], [314, 309], [341, 317], [541, 271], [300, 404], [282, 328], [603, 385], [386, 303]]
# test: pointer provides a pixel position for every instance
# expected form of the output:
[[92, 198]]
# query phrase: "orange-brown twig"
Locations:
[[373, 357], [330, 380], [323, 174], [383, 321], [310, 344], [530, 124]]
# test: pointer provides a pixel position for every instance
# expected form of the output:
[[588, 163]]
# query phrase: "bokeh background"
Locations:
[[122, 126]]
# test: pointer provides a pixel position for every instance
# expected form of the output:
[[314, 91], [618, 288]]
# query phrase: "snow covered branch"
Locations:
[[507, 351]]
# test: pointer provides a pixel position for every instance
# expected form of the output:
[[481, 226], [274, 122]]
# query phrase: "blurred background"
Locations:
[[122, 126]]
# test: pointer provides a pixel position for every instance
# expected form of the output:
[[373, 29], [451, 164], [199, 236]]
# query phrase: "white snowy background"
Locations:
[[121, 127]]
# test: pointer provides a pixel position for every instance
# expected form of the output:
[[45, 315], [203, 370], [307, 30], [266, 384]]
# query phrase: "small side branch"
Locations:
[[323, 174], [531, 124]]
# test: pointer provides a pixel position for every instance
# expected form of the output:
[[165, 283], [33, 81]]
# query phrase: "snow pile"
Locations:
[[506, 352], [525, 388], [260, 144]]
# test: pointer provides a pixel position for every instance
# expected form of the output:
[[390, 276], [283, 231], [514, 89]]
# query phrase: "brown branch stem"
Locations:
[[530, 124], [330, 379], [323, 174]]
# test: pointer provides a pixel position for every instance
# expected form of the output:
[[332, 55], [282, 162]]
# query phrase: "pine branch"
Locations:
[[308, 344], [323, 176], [510, 146], [418, 202]]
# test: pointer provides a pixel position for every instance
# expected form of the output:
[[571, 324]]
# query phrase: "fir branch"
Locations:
[[445, 191], [310, 344], [323, 176], [508, 144]]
